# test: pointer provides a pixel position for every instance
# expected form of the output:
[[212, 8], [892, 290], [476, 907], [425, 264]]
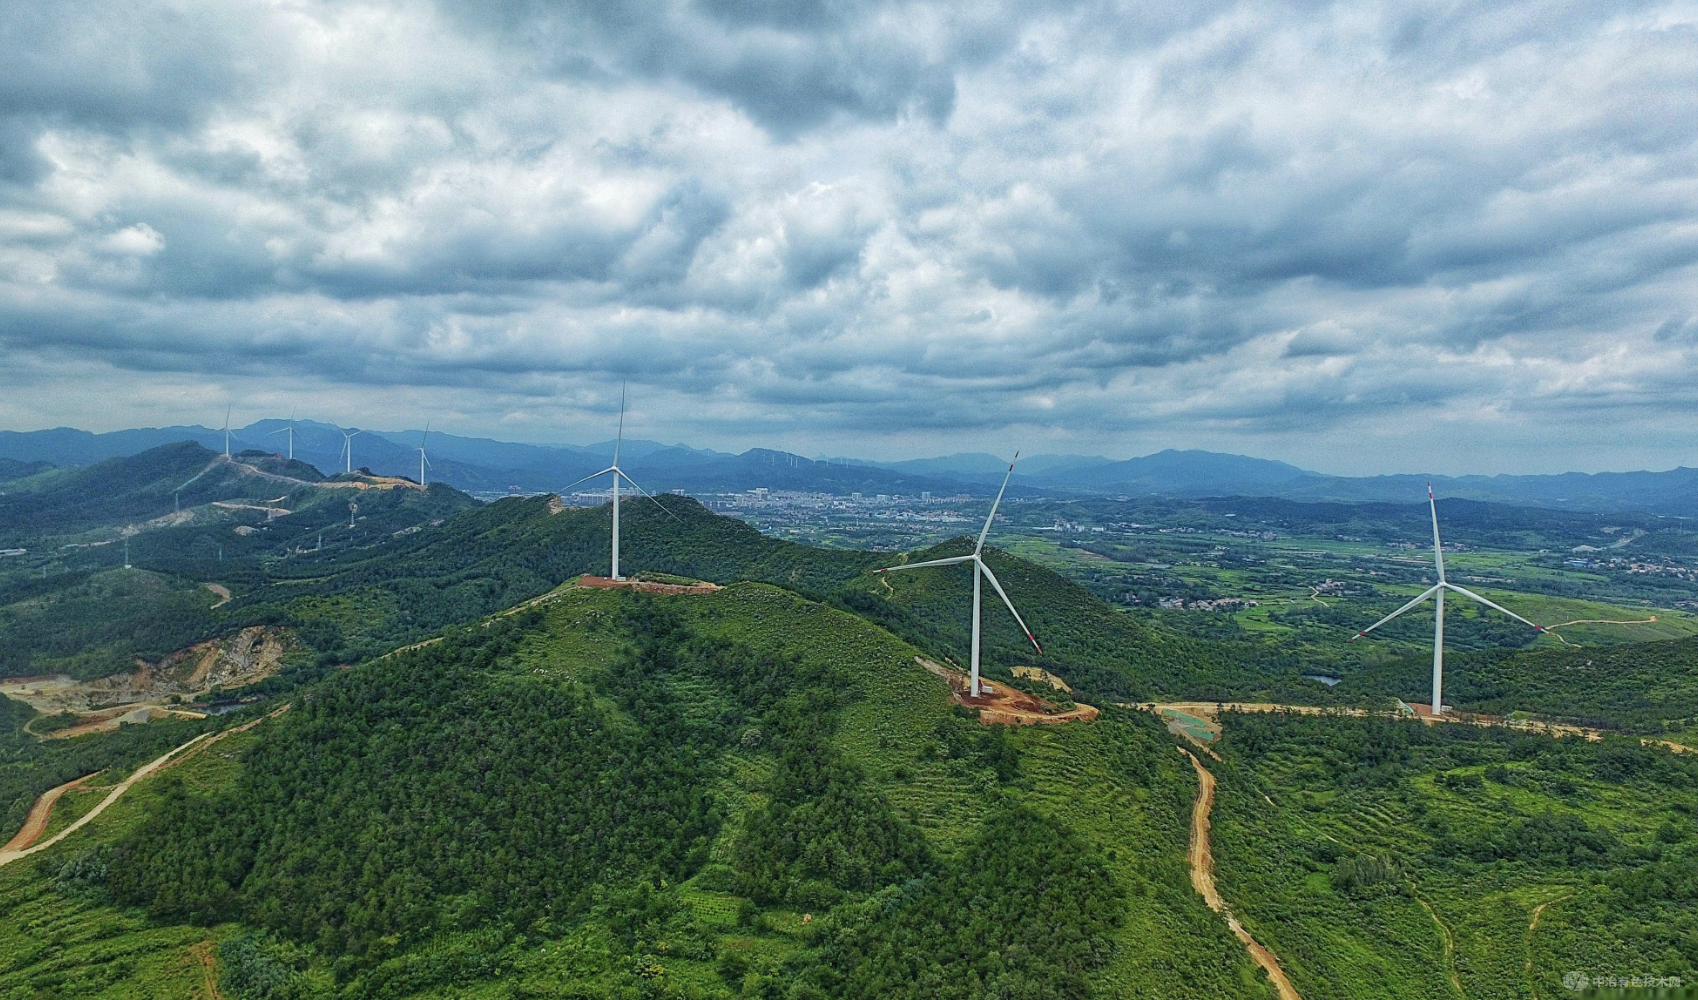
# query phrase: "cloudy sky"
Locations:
[[1361, 237]]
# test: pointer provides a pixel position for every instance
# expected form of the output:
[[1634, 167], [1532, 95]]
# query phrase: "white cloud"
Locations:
[[874, 226]]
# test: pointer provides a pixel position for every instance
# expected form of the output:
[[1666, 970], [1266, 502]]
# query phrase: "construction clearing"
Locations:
[[999, 704]]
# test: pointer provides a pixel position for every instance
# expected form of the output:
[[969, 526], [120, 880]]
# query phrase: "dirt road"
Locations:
[[145, 771], [7, 857], [1202, 863], [35, 824]]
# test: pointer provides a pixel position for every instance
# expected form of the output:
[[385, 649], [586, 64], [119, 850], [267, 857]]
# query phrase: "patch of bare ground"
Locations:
[[1043, 676], [999, 704], [647, 586], [234, 661], [221, 591], [1202, 861]]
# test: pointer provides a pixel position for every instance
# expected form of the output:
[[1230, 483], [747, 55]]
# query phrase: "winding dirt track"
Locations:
[[147, 770], [1203, 880], [35, 824], [7, 857]]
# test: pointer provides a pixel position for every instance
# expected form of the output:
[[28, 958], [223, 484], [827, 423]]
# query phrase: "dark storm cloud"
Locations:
[[1080, 218]]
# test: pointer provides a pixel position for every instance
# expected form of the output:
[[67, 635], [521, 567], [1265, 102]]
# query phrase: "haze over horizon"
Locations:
[[1359, 239]]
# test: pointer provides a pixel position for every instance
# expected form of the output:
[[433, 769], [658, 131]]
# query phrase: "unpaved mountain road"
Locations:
[[35, 824], [1202, 863], [145, 771]]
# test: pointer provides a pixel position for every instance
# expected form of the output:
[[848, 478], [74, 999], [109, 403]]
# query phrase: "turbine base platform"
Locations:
[[646, 586], [999, 704]]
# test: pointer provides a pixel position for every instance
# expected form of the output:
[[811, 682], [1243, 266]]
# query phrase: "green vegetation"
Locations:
[[1356, 848], [30, 766], [744, 794], [101, 624], [1647, 687]]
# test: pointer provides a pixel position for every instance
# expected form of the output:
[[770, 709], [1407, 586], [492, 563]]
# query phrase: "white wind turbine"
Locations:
[[227, 432], [979, 569], [423, 462], [289, 430], [348, 449], [1436, 591], [617, 474]]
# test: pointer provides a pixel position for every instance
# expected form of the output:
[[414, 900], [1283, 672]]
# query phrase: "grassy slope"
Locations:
[[1276, 856]]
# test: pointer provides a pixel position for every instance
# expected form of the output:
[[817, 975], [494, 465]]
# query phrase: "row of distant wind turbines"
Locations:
[[981, 570], [347, 452]]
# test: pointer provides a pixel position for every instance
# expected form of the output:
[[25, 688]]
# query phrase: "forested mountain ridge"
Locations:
[[739, 794]]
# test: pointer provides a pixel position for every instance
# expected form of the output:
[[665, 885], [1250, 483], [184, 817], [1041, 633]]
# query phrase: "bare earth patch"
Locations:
[[1000, 704], [251, 655], [647, 586]]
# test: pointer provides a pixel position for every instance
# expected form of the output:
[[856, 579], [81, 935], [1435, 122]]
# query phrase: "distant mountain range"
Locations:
[[482, 465]]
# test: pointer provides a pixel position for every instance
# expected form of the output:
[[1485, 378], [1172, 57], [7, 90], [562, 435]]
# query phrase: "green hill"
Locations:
[[743, 794], [753, 794]]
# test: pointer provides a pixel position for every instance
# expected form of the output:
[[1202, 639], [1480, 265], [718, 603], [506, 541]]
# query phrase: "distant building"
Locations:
[[925, 496]]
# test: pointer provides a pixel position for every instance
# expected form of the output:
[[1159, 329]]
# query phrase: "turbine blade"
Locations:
[[590, 477], [1465, 592], [619, 438], [651, 496], [994, 504], [997, 585], [952, 561], [1438, 549], [1430, 591]]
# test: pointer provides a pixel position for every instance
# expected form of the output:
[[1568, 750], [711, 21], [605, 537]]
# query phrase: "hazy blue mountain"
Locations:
[[975, 467], [67, 446], [484, 465], [1182, 473]]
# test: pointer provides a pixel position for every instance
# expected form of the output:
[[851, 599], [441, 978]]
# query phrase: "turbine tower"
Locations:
[[348, 449], [980, 568], [289, 430], [227, 433], [1436, 591], [423, 462], [619, 473]]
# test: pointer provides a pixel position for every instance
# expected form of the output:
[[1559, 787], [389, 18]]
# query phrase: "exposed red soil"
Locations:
[[646, 586], [35, 824], [999, 704]]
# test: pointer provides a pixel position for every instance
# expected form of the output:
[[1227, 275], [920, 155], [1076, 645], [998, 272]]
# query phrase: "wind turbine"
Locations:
[[617, 474], [348, 449], [423, 462], [289, 430], [980, 568], [227, 432], [1436, 591]]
